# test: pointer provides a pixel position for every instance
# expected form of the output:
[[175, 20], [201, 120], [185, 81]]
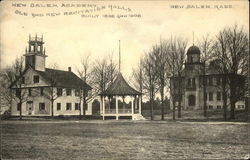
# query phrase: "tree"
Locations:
[[206, 47], [14, 75], [150, 76], [231, 48], [84, 73], [175, 64], [137, 76], [51, 92], [162, 65], [103, 73]]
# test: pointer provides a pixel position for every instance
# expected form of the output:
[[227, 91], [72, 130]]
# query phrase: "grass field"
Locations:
[[123, 140]]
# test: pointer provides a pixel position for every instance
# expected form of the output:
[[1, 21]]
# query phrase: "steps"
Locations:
[[138, 117]]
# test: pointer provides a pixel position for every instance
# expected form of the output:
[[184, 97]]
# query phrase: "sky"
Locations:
[[68, 38]]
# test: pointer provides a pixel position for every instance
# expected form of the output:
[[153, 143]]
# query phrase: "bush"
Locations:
[[5, 115]]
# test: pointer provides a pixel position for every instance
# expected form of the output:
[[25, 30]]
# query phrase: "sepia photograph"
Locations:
[[118, 80]]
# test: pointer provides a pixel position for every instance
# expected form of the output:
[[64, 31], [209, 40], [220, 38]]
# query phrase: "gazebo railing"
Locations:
[[120, 111]]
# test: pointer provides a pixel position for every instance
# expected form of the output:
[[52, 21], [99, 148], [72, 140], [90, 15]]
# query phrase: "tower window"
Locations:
[[38, 48], [36, 79]]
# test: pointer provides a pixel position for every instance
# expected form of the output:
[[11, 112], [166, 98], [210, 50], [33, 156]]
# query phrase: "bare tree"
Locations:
[[231, 49], [150, 76], [137, 77], [15, 75], [206, 47], [100, 75], [84, 72], [162, 66], [175, 64], [112, 68], [103, 73], [50, 92]]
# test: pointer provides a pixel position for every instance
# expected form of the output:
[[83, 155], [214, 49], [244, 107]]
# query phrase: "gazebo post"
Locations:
[[103, 108], [123, 104], [136, 100], [139, 98], [132, 106], [116, 107]]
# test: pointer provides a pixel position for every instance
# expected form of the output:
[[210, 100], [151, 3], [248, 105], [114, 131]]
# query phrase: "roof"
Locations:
[[65, 79], [60, 78], [193, 50], [120, 88]]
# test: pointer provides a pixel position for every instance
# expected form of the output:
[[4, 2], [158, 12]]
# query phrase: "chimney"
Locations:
[[69, 69]]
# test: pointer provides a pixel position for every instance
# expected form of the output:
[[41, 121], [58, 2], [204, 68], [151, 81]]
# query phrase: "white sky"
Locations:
[[69, 38]]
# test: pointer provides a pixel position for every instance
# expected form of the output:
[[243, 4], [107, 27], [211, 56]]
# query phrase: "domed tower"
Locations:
[[193, 54], [193, 71], [35, 55]]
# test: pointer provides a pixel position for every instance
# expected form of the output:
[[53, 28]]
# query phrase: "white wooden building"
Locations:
[[38, 87]]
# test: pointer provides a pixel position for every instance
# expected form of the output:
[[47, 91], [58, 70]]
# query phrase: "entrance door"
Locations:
[[29, 107], [96, 107]]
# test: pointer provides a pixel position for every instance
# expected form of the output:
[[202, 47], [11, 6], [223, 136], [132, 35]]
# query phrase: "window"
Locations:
[[36, 79], [189, 82], [191, 100], [205, 96], [18, 106], [41, 91], [218, 96], [23, 80], [210, 81], [210, 107], [218, 81], [210, 96], [77, 92], [58, 106], [205, 81], [218, 107], [68, 92], [18, 92], [59, 91], [41, 106], [76, 106], [191, 59], [193, 82], [29, 91], [68, 106]]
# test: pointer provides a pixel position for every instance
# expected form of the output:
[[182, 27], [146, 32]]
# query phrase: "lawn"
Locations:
[[123, 140]]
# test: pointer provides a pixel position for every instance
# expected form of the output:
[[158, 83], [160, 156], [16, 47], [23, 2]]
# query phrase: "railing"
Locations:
[[120, 111]]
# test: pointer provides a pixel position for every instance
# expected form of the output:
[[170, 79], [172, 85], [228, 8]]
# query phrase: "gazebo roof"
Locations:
[[120, 88]]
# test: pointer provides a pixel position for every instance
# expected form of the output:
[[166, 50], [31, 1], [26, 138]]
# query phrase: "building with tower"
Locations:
[[196, 87], [41, 91]]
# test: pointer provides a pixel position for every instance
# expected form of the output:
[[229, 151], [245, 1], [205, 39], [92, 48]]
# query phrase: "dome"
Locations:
[[193, 50]]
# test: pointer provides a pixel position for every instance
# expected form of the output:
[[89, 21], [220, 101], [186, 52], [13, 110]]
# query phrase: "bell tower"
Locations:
[[35, 54]]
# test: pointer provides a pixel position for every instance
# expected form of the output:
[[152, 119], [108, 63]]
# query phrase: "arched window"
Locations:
[[191, 100]]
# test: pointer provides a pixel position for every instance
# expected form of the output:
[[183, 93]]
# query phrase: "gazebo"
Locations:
[[120, 89]]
